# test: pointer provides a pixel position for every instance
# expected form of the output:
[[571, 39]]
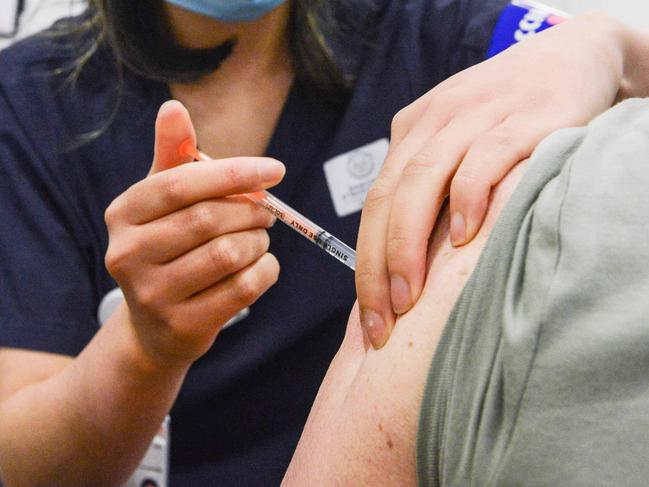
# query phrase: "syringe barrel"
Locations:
[[305, 227], [336, 248]]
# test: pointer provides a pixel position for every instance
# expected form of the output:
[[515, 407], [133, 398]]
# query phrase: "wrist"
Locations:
[[634, 47], [611, 40], [142, 358]]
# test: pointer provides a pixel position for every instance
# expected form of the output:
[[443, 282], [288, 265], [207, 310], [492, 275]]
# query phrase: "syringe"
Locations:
[[302, 225]]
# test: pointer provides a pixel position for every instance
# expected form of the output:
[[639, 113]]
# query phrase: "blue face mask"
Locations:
[[229, 10]]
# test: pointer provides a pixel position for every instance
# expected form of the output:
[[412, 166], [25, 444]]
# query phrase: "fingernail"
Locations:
[[458, 229], [375, 328], [270, 170], [400, 294], [167, 104]]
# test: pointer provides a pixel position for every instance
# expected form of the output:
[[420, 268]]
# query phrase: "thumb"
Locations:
[[173, 127]]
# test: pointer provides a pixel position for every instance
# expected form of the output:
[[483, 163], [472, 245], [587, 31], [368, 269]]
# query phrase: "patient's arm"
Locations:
[[363, 426]]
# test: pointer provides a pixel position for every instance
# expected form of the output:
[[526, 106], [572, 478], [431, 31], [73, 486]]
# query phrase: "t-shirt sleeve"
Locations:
[[46, 299], [540, 378], [576, 341]]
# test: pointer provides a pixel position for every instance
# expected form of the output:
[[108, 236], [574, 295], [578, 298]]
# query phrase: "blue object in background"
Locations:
[[520, 20]]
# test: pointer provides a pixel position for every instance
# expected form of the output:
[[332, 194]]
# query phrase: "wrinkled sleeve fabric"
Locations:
[[46, 301], [541, 376]]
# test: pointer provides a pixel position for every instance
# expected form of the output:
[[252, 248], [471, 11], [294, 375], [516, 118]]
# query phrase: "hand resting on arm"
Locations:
[[363, 426]]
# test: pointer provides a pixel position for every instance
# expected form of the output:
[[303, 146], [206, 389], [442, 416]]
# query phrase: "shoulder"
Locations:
[[583, 307], [430, 39], [63, 81], [36, 77], [363, 426], [550, 333], [86, 132], [41, 58], [63, 87]]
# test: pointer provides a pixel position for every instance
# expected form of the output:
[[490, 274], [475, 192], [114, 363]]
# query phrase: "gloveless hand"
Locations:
[[461, 138], [188, 254]]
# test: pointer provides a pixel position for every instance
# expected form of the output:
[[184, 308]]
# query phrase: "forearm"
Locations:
[[91, 423]]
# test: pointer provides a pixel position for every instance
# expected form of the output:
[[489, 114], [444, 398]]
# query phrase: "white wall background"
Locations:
[[41, 13], [633, 12]]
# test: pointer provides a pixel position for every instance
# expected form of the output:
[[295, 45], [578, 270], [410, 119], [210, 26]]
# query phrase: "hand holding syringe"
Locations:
[[290, 217]]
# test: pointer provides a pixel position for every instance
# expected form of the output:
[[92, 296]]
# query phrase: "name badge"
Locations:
[[153, 471], [350, 175]]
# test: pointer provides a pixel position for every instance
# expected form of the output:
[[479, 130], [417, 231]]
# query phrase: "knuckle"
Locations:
[[444, 99], [126, 255], [262, 241], [263, 218], [200, 220], [113, 263], [111, 214], [117, 210], [479, 98], [442, 102], [173, 186], [423, 164], [116, 261], [273, 269], [378, 195], [446, 86], [147, 297], [223, 254], [248, 286], [468, 185], [399, 243], [234, 175], [367, 279], [464, 179], [400, 121], [497, 141], [460, 187], [176, 320]]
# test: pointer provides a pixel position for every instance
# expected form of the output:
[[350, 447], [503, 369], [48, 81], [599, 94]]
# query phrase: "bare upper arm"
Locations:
[[20, 368], [363, 426]]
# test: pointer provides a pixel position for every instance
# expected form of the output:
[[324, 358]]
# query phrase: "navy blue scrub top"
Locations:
[[243, 405]]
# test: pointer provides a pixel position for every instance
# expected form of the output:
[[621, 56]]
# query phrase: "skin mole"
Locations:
[[389, 441]]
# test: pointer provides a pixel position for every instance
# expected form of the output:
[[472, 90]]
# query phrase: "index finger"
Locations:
[[166, 192], [372, 277]]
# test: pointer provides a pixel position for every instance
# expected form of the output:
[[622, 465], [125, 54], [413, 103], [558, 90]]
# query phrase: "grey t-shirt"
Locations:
[[542, 374]]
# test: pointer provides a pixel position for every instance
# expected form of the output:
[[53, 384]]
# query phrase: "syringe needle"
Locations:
[[302, 225]]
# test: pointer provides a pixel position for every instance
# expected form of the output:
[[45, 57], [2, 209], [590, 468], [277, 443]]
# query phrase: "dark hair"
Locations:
[[141, 40]]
